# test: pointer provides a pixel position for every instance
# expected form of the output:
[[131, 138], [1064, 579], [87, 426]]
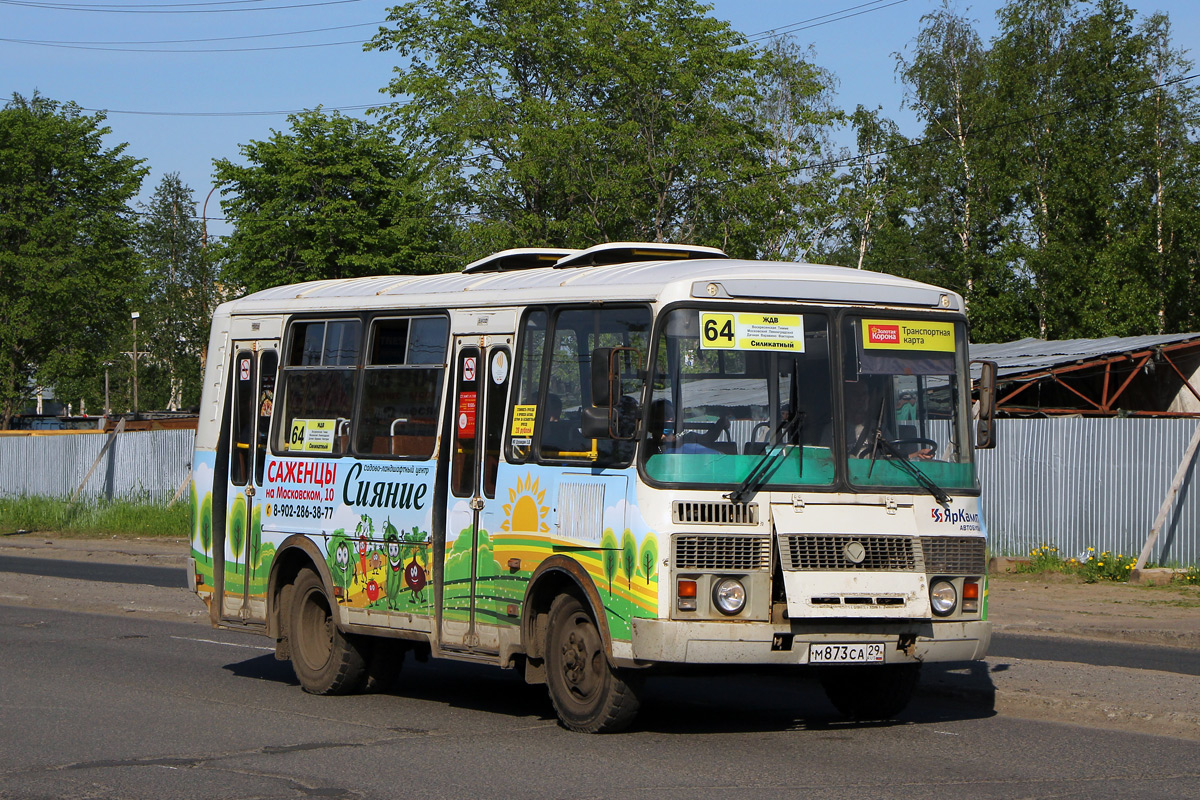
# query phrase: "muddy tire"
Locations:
[[589, 694], [325, 660], [871, 692]]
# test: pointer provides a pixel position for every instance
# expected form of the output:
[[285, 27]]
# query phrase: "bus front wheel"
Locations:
[[589, 695], [325, 660], [864, 692]]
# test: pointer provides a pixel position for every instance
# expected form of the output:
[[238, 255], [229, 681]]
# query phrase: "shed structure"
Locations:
[[1155, 376]]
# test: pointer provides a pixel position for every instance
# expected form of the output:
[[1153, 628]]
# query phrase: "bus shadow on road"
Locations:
[[264, 668], [709, 701], [774, 700]]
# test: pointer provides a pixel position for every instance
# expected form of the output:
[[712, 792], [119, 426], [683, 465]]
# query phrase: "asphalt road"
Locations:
[[123, 707], [169, 577], [1044, 648]]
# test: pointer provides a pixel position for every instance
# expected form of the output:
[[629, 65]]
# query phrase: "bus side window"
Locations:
[[318, 387], [402, 386], [526, 415]]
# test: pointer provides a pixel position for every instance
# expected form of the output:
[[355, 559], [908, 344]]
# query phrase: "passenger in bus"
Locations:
[[553, 407], [559, 435], [665, 438]]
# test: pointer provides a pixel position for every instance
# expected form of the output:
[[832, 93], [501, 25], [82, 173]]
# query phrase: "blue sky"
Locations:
[[152, 97]]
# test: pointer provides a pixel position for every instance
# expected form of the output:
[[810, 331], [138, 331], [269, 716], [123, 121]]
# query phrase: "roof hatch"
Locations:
[[520, 258], [627, 252]]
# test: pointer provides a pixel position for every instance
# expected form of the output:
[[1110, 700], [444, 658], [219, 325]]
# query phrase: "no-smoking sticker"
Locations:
[[244, 369], [469, 368]]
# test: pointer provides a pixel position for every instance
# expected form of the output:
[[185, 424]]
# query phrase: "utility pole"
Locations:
[[134, 316]]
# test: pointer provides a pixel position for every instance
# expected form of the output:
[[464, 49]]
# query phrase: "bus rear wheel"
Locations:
[[589, 694], [864, 692], [325, 660]]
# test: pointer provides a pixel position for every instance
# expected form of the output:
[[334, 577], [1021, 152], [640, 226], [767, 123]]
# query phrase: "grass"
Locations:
[[1091, 566], [94, 518]]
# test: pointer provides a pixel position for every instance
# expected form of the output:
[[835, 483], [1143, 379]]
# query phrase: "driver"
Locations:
[[666, 439], [864, 410]]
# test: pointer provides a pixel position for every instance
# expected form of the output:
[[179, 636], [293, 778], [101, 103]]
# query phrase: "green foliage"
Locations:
[[1088, 565], [568, 122], [1055, 183], [179, 293], [333, 197], [65, 234], [93, 518]]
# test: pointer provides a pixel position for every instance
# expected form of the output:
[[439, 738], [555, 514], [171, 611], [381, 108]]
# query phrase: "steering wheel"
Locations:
[[927, 444]]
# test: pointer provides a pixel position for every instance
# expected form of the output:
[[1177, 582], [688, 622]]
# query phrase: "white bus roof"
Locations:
[[706, 278]]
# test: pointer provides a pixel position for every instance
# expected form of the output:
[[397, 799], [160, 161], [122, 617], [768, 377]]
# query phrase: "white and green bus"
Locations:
[[594, 465]]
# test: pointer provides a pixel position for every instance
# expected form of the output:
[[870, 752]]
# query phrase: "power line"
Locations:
[[824, 19], [226, 113], [161, 10], [358, 42], [51, 42]]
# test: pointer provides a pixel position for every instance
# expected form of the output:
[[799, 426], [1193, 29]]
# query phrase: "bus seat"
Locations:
[[755, 448], [729, 448]]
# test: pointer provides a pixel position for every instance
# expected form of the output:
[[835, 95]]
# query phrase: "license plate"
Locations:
[[845, 653]]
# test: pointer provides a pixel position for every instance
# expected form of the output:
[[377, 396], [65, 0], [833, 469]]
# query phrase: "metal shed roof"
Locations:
[[1026, 356]]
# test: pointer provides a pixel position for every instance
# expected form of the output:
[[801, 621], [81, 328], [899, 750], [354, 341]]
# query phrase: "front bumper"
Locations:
[[747, 643]]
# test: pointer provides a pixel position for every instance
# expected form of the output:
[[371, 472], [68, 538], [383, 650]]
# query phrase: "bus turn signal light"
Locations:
[[686, 595], [970, 603]]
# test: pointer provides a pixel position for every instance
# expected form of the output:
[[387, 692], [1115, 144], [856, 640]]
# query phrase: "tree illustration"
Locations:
[[254, 550], [629, 556], [609, 556], [237, 528], [206, 523], [649, 557]]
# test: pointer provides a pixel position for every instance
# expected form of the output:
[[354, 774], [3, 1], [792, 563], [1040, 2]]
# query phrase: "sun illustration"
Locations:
[[526, 513]]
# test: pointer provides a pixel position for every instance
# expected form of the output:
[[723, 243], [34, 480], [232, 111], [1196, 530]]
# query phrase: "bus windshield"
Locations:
[[761, 398]]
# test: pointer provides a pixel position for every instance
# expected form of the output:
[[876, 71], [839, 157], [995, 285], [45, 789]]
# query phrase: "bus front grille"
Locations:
[[688, 512], [808, 552], [954, 555], [723, 553]]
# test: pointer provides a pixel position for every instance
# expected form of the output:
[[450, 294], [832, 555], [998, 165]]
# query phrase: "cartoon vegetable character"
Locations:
[[338, 559], [395, 570], [372, 590], [414, 576]]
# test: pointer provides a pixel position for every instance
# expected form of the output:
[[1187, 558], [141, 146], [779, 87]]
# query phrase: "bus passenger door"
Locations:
[[241, 589], [468, 613]]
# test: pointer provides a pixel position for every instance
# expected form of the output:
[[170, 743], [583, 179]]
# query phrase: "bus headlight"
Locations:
[[943, 598], [729, 596]]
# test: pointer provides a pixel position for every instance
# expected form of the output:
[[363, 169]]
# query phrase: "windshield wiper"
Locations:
[[767, 461], [901, 462]]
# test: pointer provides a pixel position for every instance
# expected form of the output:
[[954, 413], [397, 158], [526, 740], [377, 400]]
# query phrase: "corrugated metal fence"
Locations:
[[1073, 483], [1079, 483], [139, 465]]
